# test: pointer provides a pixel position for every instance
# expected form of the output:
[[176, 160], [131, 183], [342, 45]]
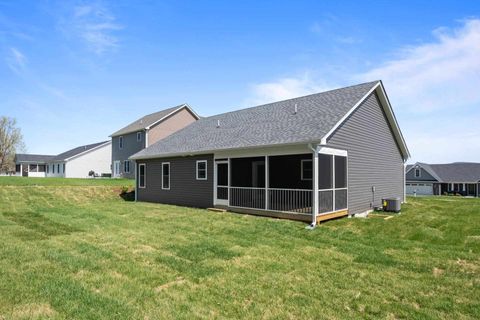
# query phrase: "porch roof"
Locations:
[[459, 172], [32, 158], [265, 125]]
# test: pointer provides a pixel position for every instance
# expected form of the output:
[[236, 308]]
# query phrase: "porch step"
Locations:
[[216, 209]]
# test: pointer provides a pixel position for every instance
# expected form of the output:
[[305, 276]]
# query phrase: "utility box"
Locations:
[[392, 205]]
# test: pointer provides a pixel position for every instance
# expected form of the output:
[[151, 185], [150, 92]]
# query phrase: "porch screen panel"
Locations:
[[340, 172], [340, 199], [325, 201], [325, 166], [247, 185]]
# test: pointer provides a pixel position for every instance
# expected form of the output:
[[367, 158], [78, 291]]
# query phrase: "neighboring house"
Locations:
[[145, 132], [310, 158], [74, 163], [438, 179], [31, 165]]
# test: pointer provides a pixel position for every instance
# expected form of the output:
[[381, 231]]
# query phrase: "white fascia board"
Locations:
[[184, 106], [388, 112]]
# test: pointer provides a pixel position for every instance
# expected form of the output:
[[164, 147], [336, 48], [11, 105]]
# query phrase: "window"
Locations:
[[202, 170], [306, 169], [417, 173], [166, 175], [139, 136], [48, 168], [126, 166], [141, 175], [120, 142], [63, 168], [58, 167], [53, 168]]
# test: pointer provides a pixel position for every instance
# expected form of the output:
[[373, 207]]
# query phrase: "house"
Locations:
[[75, 163], [31, 165], [310, 158], [145, 132], [438, 179]]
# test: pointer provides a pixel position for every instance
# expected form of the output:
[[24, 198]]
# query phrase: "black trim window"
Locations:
[[306, 170], [120, 142], [417, 173], [53, 168], [166, 175], [126, 166], [202, 170], [58, 167], [139, 136], [141, 175], [63, 168]]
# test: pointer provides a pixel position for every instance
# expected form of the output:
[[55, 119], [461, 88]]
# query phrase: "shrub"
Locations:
[[124, 190]]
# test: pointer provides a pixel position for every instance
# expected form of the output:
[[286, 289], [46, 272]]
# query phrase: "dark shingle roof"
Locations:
[[39, 158], [457, 171], [269, 124], [148, 120], [76, 151]]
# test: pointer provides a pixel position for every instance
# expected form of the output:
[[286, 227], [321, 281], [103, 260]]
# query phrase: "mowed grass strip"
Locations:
[[71, 252], [52, 181]]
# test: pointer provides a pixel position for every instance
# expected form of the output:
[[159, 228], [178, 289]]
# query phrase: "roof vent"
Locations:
[[218, 123], [296, 109]]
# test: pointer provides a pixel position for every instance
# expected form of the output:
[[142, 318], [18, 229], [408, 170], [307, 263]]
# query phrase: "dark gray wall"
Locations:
[[185, 189], [374, 159], [424, 175], [130, 147]]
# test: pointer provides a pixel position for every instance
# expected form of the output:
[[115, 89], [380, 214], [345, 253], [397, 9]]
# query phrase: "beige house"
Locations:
[[143, 133]]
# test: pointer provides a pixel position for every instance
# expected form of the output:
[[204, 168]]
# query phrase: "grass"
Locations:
[[24, 181], [69, 252]]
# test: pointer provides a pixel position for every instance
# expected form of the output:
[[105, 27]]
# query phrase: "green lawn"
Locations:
[[70, 252], [24, 181]]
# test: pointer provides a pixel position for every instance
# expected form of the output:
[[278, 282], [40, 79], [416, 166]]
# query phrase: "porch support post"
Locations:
[[315, 185], [266, 182]]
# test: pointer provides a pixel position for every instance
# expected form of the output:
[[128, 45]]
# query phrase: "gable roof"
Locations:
[[462, 172], [149, 120], [39, 158], [78, 150], [270, 124]]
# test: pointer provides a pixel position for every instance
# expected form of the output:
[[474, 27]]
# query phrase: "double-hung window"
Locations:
[[306, 169], [120, 142], [417, 173], [202, 170], [166, 175], [126, 166], [141, 175], [139, 136]]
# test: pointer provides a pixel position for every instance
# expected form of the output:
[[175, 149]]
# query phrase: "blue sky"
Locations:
[[73, 72]]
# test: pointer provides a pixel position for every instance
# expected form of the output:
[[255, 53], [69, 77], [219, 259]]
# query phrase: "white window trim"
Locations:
[[169, 174], [206, 169], [124, 166], [144, 175], [419, 173], [301, 169], [139, 136], [120, 142]]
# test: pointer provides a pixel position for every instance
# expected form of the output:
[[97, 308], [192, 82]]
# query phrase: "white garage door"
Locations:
[[421, 189]]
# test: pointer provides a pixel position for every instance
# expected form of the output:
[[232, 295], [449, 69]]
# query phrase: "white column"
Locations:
[[315, 186], [266, 182], [404, 183]]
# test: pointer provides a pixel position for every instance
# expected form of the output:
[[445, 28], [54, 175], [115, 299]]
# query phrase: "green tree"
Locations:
[[11, 141]]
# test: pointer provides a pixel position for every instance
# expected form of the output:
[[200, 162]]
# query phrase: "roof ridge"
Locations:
[[295, 98]]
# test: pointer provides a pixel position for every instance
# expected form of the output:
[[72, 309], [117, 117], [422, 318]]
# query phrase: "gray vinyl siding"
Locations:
[[424, 176], [130, 147], [374, 158], [185, 189]]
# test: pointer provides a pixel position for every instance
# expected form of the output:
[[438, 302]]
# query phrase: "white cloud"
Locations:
[[435, 76], [16, 60], [95, 25], [284, 88], [434, 88]]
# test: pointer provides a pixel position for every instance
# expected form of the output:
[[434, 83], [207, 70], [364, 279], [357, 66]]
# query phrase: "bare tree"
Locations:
[[11, 141]]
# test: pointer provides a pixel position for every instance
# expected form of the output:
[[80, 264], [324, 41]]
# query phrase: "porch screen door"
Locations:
[[221, 183]]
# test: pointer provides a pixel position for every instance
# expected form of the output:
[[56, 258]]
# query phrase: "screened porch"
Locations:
[[282, 183]]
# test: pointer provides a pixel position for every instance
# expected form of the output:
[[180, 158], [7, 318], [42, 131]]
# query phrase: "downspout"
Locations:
[[136, 182], [314, 185]]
